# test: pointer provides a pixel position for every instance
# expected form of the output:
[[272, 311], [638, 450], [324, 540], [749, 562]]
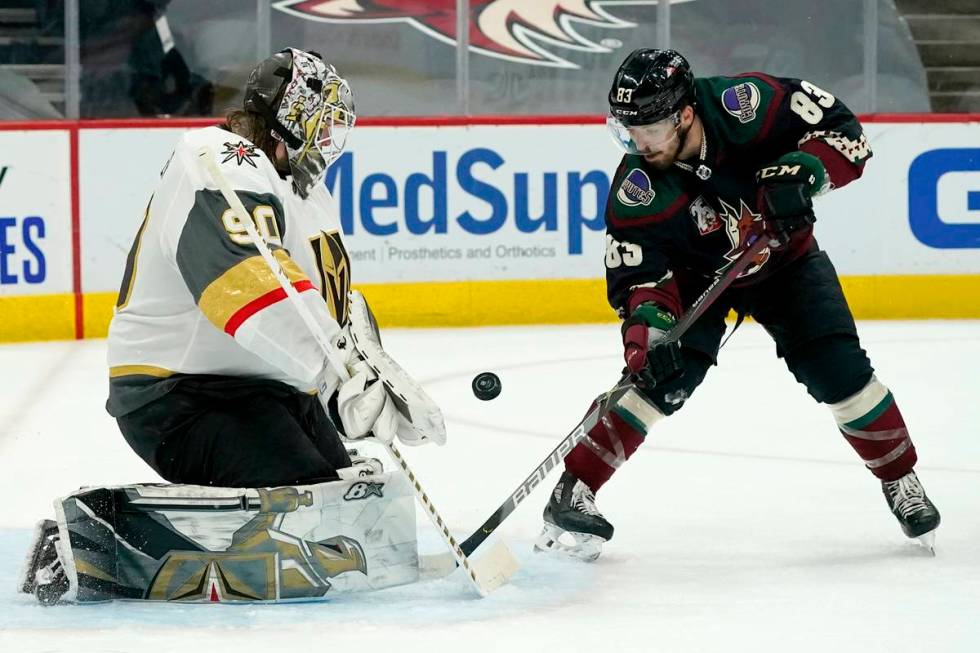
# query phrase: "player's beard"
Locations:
[[665, 156]]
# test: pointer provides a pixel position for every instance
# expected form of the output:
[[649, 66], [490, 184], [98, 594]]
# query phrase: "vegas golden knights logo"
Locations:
[[334, 266]]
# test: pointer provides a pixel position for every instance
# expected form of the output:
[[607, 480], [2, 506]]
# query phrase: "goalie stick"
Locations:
[[486, 574], [620, 390]]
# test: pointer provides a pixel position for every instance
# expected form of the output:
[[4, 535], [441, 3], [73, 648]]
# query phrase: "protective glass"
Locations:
[[642, 139]]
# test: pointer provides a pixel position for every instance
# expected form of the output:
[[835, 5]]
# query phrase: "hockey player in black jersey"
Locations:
[[710, 162]]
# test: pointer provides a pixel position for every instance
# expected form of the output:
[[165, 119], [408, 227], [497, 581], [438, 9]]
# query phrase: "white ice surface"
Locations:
[[745, 523]]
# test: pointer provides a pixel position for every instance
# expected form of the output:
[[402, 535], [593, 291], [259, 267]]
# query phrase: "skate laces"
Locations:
[[583, 500], [907, 495]]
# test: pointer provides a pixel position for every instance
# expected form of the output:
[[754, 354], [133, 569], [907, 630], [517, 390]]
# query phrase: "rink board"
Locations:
[[463, 222]]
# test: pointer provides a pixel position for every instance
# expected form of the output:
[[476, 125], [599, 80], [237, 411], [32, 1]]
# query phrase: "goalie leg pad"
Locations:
[[43, 574], [203, 544]]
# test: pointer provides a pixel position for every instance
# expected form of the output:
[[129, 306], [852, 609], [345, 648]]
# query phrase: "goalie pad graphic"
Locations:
[[201, 544]]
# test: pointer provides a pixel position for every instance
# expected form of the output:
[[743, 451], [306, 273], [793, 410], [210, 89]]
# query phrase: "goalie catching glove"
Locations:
[[380, 398]]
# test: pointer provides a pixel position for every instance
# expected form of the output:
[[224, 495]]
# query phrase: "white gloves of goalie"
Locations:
[[364, 405], [379, 398]]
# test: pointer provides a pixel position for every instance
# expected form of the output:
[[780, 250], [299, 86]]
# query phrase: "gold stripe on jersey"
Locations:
[[242, 284], [139, 370], [132, 260]]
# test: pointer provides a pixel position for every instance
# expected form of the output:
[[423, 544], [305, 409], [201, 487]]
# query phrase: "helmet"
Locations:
[[651, 85], [309, 108], [648, 92]]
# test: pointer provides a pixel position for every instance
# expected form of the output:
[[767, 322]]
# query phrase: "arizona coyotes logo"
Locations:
[[515, 30], [739, 225]]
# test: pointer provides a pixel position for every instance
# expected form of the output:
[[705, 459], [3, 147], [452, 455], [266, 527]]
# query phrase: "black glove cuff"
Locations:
[[786, 200]]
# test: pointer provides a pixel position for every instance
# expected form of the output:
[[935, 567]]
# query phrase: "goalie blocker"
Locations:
[[199, 544], [380, 399]]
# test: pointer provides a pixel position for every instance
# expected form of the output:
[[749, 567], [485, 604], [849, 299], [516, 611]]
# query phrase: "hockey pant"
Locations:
[[236, 432]]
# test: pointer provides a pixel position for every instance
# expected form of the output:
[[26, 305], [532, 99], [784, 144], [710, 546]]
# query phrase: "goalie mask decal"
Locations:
[[317, 109], [515, 30]]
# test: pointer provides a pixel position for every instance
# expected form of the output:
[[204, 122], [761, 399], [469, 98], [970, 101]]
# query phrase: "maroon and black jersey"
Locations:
[[695, 217]]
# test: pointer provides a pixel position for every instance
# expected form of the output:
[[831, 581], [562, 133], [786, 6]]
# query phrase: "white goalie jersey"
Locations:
[[198, 299]]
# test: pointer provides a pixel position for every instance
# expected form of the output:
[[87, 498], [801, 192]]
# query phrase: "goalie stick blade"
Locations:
[[492, 569], [495, 567]]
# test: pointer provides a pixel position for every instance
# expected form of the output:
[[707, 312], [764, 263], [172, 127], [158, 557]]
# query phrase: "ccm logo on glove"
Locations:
[[783, 170]]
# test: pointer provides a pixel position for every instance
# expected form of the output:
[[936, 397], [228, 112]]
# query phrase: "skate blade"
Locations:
[[587, 547], [928, 541]]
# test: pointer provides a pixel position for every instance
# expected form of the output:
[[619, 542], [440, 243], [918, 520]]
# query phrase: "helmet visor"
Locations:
[[643, 139]]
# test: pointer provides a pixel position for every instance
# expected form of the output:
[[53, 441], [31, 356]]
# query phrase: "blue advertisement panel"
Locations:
[[35, 213]]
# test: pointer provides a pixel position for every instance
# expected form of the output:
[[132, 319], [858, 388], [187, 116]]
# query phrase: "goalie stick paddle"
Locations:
[[485, 575], [755, 245]]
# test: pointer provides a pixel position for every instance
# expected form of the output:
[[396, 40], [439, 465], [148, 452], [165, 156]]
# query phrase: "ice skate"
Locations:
[[916, 514], [571, 511], [44, 576]]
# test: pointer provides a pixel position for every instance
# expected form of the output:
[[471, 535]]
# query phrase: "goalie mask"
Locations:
[[309, 108]]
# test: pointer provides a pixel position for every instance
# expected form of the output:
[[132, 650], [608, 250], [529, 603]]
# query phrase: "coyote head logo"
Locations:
[[523, 31]]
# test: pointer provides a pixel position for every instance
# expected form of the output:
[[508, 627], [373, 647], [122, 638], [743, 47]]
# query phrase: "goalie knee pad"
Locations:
[[613, 439], [871, 423]]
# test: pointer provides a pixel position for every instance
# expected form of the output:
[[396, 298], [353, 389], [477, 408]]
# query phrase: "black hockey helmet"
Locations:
[[264, 89], [308, 107], [649, 86]]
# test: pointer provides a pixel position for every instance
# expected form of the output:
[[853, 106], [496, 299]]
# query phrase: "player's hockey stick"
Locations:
[[623, 392], [491, 571]]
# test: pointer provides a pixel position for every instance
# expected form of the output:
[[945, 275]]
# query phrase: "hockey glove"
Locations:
[[648, 356], [363, 405], [785, 194], [380, 399]]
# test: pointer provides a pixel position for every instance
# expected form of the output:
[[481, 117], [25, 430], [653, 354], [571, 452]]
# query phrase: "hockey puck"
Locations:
[[486, 386]]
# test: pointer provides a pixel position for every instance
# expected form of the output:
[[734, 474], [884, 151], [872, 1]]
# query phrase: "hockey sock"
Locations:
[[873, 425], [612, 440]]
